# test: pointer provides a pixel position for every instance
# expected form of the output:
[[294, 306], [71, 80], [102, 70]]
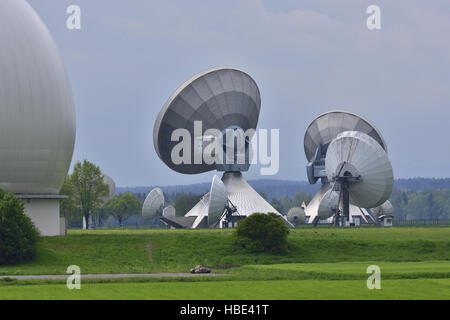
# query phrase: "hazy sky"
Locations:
[[307, 57]]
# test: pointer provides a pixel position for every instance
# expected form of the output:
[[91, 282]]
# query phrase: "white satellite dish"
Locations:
[[296, 216], [329, 204], [349, 156], [153, 204], [386, 209], [358, 164], [218, 199], [227, 102], [328, 125], [221, 98], [169, 212], [111, 188]]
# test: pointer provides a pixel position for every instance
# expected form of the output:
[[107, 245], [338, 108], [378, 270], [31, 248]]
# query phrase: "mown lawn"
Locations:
[[322, 263], [141, 251], [344, 270], [238, 290]]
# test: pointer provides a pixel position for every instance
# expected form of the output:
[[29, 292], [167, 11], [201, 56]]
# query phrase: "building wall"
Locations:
[[45, 215], [62, 226]]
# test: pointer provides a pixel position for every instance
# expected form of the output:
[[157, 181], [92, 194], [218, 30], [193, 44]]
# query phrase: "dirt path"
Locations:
[[117, 276]]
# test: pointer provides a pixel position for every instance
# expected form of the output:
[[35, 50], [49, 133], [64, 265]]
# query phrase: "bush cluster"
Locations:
[[18, 235], [261, 232]]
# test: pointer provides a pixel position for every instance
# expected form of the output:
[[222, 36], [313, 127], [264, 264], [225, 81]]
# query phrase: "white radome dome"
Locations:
[[37, 113]]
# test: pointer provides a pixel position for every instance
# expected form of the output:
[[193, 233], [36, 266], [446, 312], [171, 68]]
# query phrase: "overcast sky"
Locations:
[[307, 57]]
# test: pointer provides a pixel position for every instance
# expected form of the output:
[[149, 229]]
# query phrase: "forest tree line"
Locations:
[[429, 204], [87, 196], [408, 205]]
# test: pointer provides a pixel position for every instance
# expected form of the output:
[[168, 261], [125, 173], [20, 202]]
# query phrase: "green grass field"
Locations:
[[139, 251], [320, 263], [238, 290]]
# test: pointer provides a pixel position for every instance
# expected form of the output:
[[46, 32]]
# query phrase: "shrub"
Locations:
[[18, 235], [261, 232]]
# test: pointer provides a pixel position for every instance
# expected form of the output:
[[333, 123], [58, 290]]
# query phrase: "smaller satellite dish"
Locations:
[[111, 188], [169, 212], [328, 204], [153, 204], [218, 199], [386, 209], [360, 162], [111, 185], [296, 216]]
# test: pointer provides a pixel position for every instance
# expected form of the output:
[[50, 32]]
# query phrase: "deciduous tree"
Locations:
[[123, 206], [86, 187]]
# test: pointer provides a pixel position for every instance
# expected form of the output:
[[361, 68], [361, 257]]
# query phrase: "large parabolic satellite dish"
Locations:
[[328, 125], [349, 156], [220, 98], [355, 155], [224, 99]]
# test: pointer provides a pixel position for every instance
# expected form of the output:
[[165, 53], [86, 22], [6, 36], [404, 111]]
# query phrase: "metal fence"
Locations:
[[395, 223], [435, 222]]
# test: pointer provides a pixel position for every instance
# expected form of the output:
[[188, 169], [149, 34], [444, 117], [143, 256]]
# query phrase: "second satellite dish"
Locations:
[[386, 209], [328, 125], [169, 212], [361, 165], [296, 216], [111, 187], [218, 199], [329, 204], [349, 156], [153, 204]]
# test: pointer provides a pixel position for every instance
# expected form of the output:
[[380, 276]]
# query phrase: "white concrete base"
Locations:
[[62, 226], [44, 212]]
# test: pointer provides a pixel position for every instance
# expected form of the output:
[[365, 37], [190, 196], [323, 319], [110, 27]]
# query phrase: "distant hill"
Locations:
[[272, 188], [419, 184], [288, 188]]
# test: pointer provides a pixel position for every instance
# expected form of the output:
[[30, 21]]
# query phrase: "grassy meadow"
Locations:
[[238, 290], [318, 264]]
